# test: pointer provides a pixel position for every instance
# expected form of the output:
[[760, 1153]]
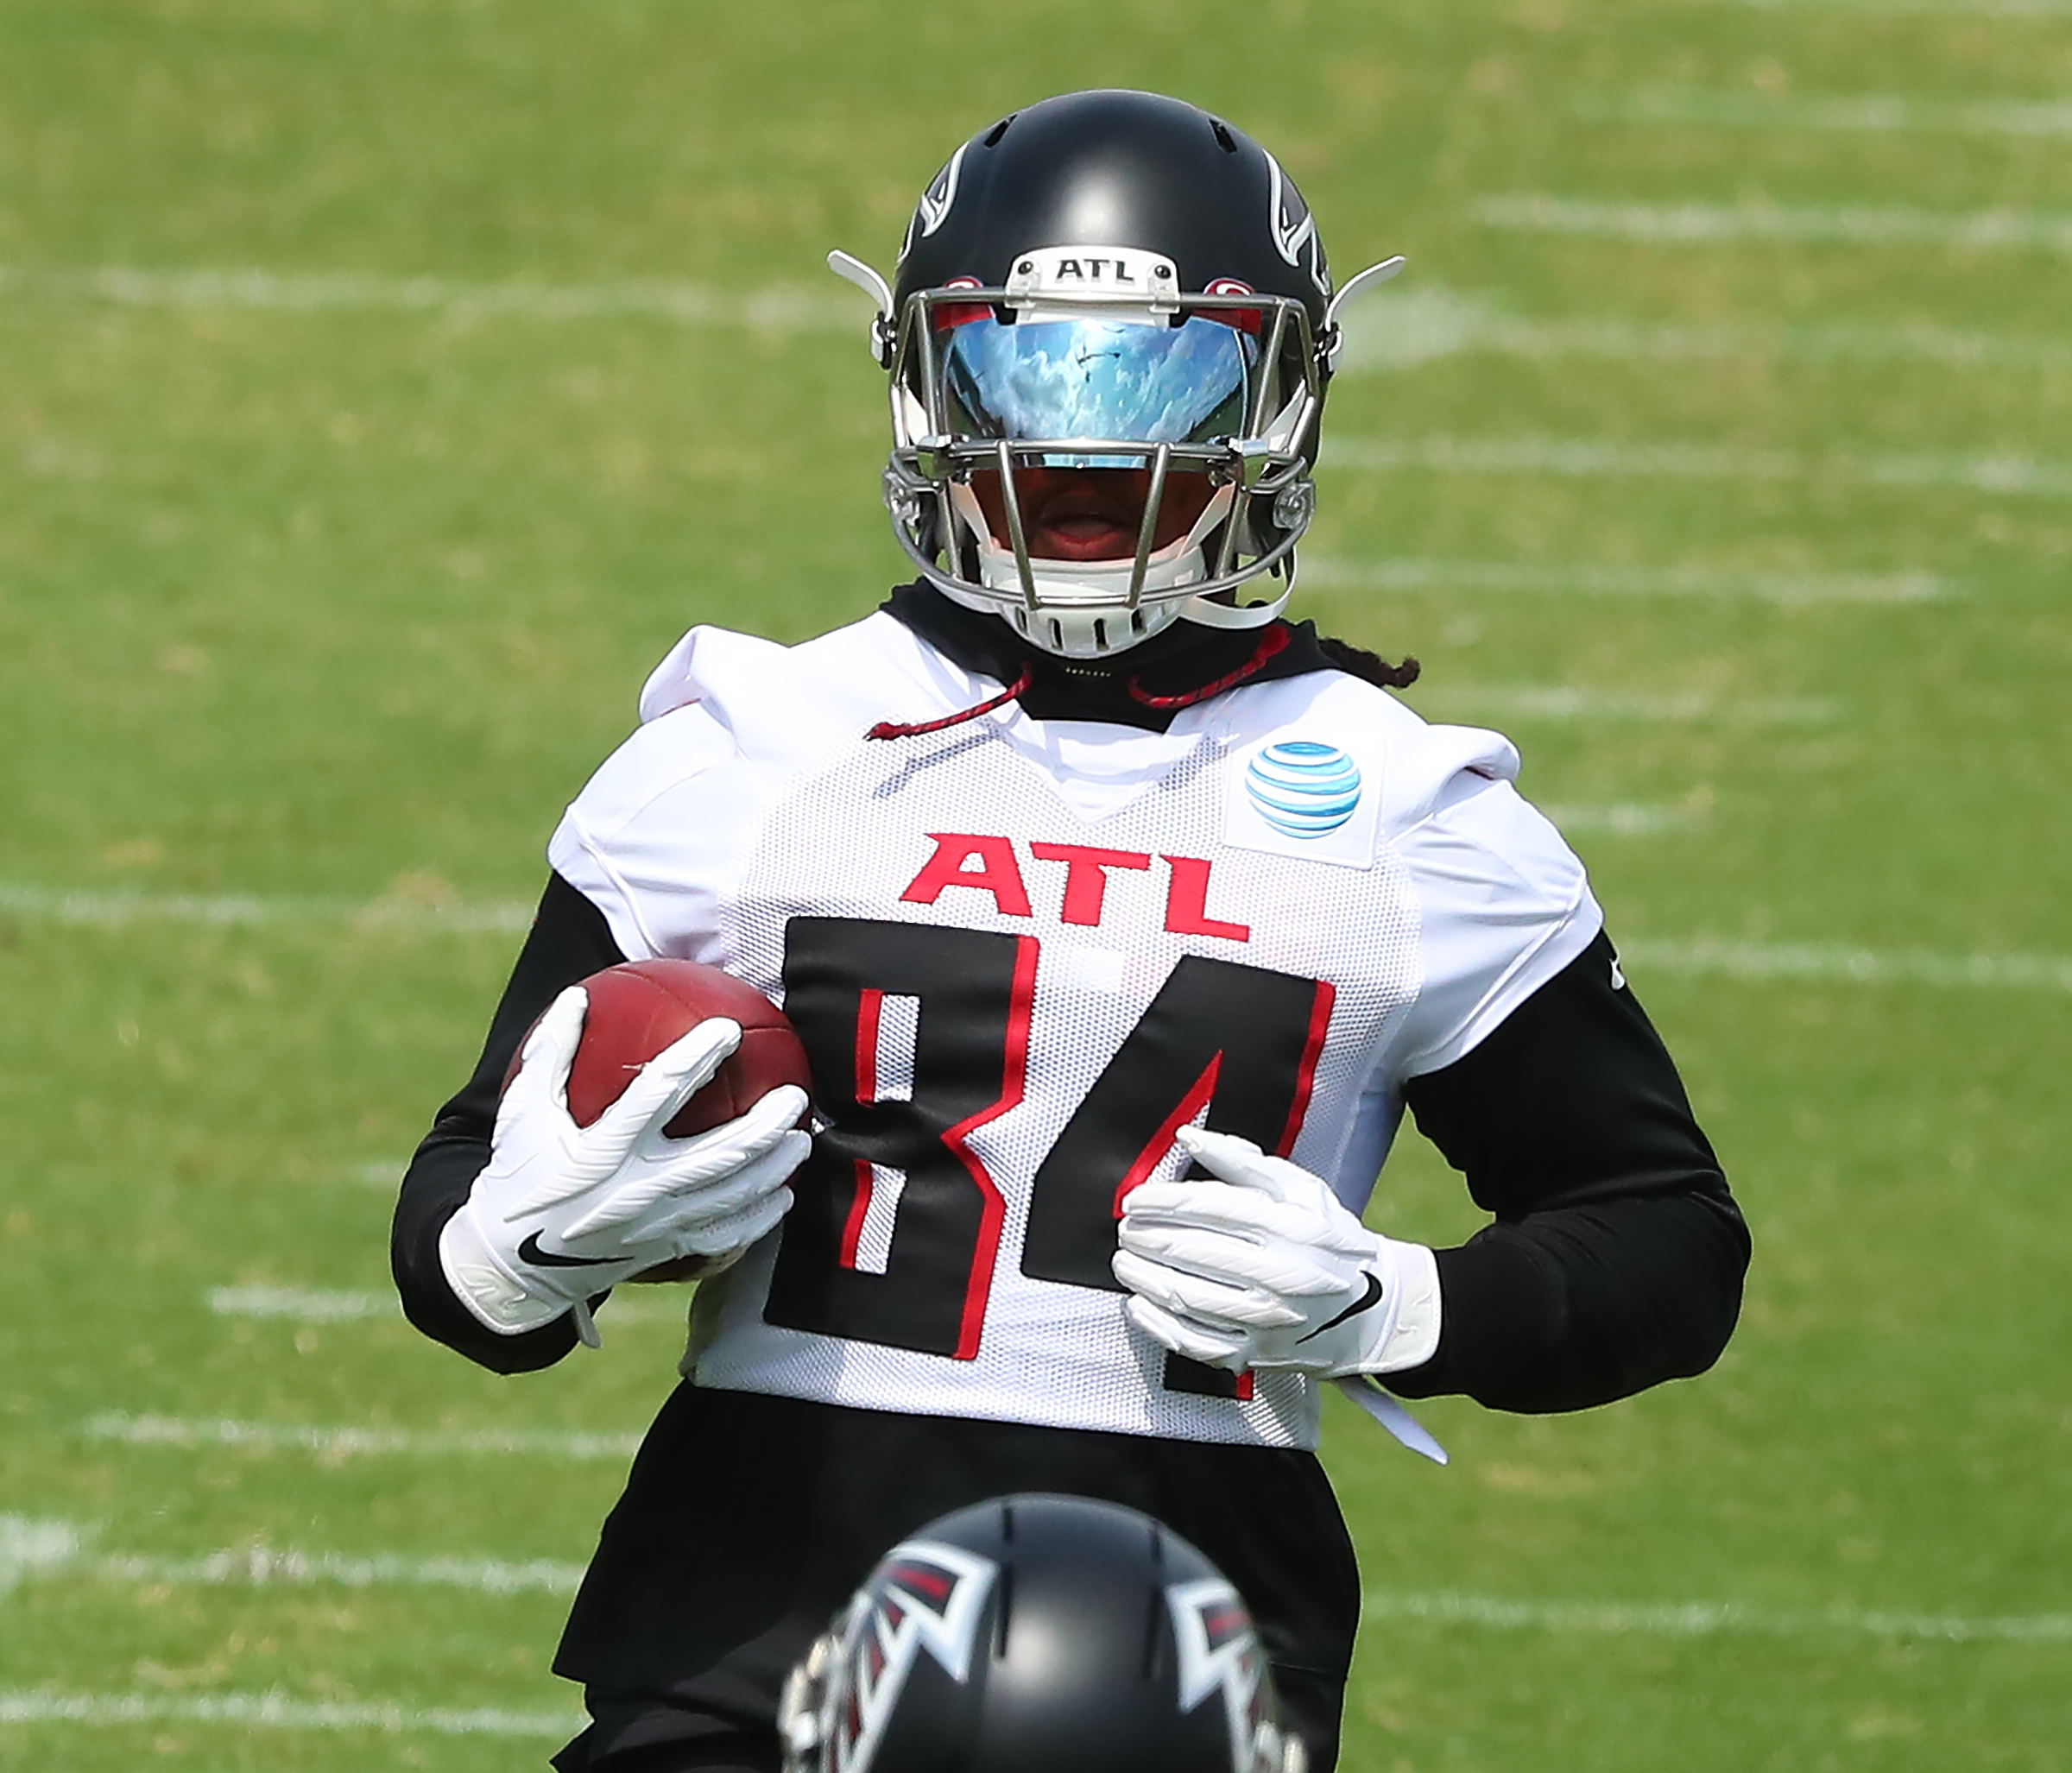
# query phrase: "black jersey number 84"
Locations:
[[1241, 1041]]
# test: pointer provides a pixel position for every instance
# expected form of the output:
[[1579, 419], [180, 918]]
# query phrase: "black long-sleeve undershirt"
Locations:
[[568, 940], [1615, 1260]]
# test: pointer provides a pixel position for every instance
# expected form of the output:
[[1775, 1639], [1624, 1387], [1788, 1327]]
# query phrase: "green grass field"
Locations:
[[385, 385]]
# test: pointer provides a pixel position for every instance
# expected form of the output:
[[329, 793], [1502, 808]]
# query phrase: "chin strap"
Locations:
[[1204, 614]]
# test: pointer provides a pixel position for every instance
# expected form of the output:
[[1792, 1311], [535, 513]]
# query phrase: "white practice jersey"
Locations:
[[1021, 954]]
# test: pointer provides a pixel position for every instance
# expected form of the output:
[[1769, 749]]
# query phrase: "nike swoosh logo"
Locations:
[[530, 1250], [1371, 1296]]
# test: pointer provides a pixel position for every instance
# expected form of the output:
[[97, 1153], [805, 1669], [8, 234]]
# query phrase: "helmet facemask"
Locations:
[[1090, 375]]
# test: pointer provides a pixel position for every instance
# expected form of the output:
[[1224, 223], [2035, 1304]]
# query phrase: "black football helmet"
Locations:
[[1038, 1634], [1118, 288]]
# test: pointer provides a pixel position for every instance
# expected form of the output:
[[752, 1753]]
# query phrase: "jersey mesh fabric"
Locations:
[[849, 843], [750, 798]]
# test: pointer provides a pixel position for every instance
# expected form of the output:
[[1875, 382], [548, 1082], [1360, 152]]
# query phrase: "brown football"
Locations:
[[638, 1009]]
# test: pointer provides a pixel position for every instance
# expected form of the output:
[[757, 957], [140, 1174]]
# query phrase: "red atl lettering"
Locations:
[[996, 872], [1086, 875], [987, 864], [1187, 901]]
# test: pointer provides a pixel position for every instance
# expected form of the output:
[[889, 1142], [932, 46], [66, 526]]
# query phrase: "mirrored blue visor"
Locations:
[[1099, 379]]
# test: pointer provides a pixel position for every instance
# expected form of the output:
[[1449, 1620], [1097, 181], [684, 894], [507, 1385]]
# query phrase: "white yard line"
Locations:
[[1593, 458], [1403, 575], [341, 1305], [1705, 1618], [1851, 966], [69, 906], [1622, 818], [338, 1442], [1874, 113], [258, 1567], [303, 1304], [1565, 701], [1844, 225], [1571, 456], [277, 1711], [31, 1548], [1423, 324], [1732, 959], [1413, 325], [60, 1552], [28, 1546], [1908, 9], [787, 309]]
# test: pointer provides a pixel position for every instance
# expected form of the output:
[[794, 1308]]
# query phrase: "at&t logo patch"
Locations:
[[1302, 788], [1303, 798]]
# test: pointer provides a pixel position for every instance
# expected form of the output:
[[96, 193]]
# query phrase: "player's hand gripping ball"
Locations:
[[640, 1007]]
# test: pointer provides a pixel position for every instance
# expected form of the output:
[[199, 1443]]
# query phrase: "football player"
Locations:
[[1121, 919], [1034, 1634]]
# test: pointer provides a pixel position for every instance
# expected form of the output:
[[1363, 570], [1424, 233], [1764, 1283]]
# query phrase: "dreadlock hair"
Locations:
[[1358, 662]]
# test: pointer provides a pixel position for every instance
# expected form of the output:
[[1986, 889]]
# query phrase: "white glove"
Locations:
[[562, 1212], [1267, 1268]]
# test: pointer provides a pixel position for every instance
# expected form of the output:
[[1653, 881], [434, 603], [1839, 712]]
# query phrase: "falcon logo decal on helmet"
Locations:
[[1295, 228], [1220, 1655], [934, 206], [923, 1597]]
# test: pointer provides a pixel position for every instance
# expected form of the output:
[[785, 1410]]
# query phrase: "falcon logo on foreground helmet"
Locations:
[[1109, 338], [923, 1596], [1038, 1634], [1219, 1654]]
